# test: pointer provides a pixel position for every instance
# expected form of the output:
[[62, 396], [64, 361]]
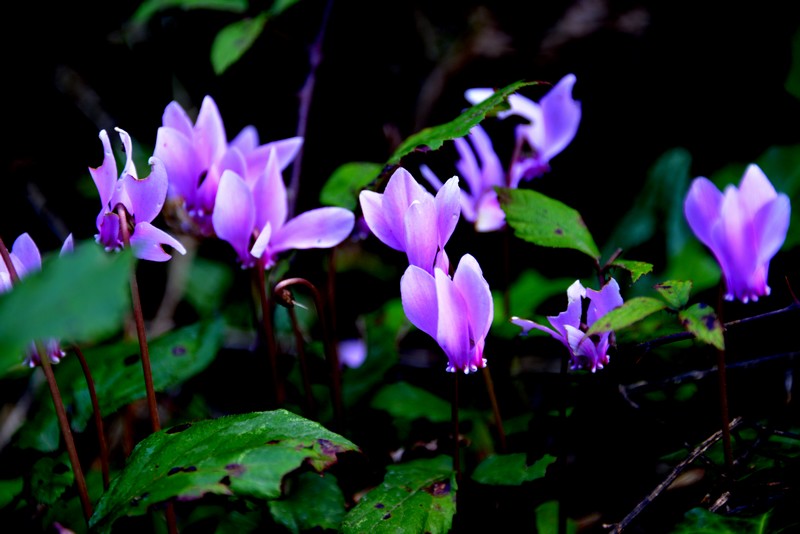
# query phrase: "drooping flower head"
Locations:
[[196, 155], [743, 226], [408, 218], [569, 327], [457, 312], [552, 124], [142, 199], [26, 259], [252, 218]]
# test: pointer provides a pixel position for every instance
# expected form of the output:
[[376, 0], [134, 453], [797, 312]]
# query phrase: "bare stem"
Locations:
[[279, 394], [98, 417], [498, 420], [723, 394], [286, 299], [456, 431]]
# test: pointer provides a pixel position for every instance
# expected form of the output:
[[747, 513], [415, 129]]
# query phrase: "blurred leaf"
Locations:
[[693, 263], [636, 268], [417, 496], [49, 478], [434, 137], [78, 297], [685, 392], [9, 489], [675, 292], [234, 40], [243, 455], [547, 519], [701, 521], [294, 511], [207, 285], [410, 402], [793, 78], [630, 312], [700, 320], [510, 469], [344, 185], [148, 8], [544, 221]]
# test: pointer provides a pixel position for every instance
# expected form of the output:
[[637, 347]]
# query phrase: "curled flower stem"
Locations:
[[487, 376], [287, 300], [269, 335], [98, 418], [58, 403], [330, 349]]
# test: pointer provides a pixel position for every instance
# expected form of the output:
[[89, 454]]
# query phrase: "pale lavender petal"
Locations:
[[603, 301], [352, 352], [523, 107], [442, 261], [478, 94], [492, 173], [452, 333], [209, 133], [176, 118], [702, 208], [418, 295], [527, 325], [147, 241], [470, 282], [420, 234], [105, 176], [374, 215], [429, 175], [235, 214], [285, 149], [262, 242], [561, 115], [269, 195], [232, 160], [490, 216], [147, 195], [177, 153], [401, 190], [318, 228], [448, 209], [68, 246], [246, 140], [755, 190], [467, 166], [770, 226], [127, 147], [28, 253], [572, 315]]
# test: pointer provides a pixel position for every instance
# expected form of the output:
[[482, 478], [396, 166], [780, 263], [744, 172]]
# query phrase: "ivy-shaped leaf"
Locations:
[[418, 496], [636, 268], [630, 312], [510, 469], [294, 511], [701, 320], [544, 221], [234, 40], [434, 137], [675, 292], [344, 185], [243, 455]]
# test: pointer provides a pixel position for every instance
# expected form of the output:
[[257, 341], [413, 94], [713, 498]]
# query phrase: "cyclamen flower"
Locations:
[[26, 259], [553, 123], [408, 218], [196, 155], [744, 227], [456, 312], [142, 199], [480, 205], [586, 352], [252, 218]]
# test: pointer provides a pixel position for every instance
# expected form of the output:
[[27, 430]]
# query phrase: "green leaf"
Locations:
[[148, 8], [701, 521], [701, 321], [526, 293], [294, 511], [346, 182], [544, 221], [9, 489], [675, 292], [417, 496], [242, 455], [234, 40], [630, 312], [207, 285], [547, 519], [636, 268], [49, 478], [78, 297], [434, 137], [401, 399], [510, 469]]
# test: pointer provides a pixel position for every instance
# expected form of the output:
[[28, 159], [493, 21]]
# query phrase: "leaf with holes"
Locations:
[[701, 321], [417, 496], [243, 455]]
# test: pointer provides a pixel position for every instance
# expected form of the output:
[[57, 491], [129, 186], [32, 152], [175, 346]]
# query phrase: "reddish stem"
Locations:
[[98, 418], [269, 335]]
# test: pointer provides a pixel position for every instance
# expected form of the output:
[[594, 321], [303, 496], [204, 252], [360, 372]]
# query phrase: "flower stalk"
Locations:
[[98, 417], [279, 393]]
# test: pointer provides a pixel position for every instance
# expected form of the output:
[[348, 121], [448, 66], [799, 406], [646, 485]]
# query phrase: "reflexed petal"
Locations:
[[318, 228], [453, 330], [572, 315], [523, 107], [603, 301], [209, 138], [469, 280], [147, 195], [374, 215], [561, 115], [490, 216], [28, 253], [176, 118], [285, 149], [146, 242], [527, 325], [269, 195], [492, 172], [755, 190], [246, 140], [400, 192], [429, 175], [127, 147], [68, 246], [467, 165], [448, 209], [234, 214], [105, 176], [702, 208], [770, 226], [176, 152], [262, 241], [420, 235], [418, 294]]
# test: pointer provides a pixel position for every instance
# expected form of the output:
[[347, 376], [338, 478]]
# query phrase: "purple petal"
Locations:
[[105, 176], [528, 325], [418, 295], [147, 195], [401, 191], [491, 173], [561, 115], [269, 195], [28, 253], [246, 140], [374, 215], [469, 280], [420, 236], [183, 167], [176, 118], [429, 175], [285, 149], [467, 165], [603, 301], [770, 226], [68, 246], [234, 214], [318, 228], [755, 190], [490, 216], [209, 137], [127, 147], [262, 242], [147, 240], [702, 208], [108, 228], [448, 209], [232, 160], [452, 332], [572, 315]]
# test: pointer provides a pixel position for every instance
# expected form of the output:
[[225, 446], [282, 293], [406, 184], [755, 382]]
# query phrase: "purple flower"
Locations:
[[552, 124], [586, 352], [252, 218], [143, 200], [744, 227], [457, 312], [196, 155], [480, 205], [26, 259], [408, 218]]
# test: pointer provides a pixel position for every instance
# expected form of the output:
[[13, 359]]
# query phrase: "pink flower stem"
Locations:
[[269, 335], [98, 418]]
